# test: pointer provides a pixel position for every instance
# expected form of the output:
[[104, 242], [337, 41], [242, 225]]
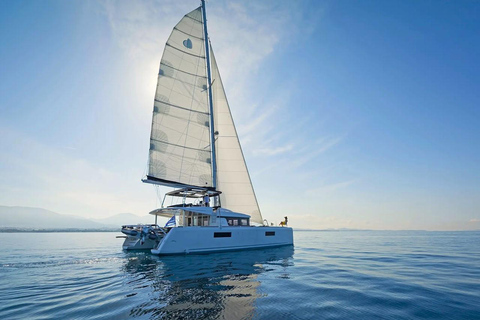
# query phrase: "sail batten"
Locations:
[[183, 51], [192, 74], [176, 145], [175, 28], [179, 107]]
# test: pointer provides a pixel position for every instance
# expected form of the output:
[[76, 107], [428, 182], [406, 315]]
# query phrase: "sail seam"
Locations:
[[188, 34], [194, 19], [191, 54], [186, 109], [191, 74], [177, 145]]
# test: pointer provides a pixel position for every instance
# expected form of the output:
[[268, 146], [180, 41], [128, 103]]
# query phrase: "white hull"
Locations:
[[184, 240]]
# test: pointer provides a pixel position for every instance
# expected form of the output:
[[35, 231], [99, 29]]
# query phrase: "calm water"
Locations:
[[327, 275]]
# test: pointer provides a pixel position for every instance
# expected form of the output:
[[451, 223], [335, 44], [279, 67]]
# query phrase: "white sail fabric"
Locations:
[[232, 173], [180, 153]]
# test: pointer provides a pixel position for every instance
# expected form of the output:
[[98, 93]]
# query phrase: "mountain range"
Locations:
[[39, 218]]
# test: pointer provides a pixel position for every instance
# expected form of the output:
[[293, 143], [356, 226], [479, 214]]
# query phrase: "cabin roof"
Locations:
[[221, 212]]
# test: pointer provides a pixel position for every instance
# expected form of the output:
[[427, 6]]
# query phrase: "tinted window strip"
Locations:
[[222, 234]]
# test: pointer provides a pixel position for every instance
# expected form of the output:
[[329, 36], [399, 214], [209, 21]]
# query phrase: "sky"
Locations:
[[351, 114]]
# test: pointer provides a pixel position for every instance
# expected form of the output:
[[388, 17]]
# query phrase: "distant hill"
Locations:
[[38, 218], [125, 218]]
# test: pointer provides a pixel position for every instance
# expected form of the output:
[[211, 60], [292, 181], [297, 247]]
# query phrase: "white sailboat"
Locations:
[[194, 148]]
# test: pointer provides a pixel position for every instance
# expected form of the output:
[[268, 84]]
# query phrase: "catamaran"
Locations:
[[194, 148]]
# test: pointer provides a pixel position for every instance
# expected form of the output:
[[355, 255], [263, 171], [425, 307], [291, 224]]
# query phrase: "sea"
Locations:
[[325, 275]]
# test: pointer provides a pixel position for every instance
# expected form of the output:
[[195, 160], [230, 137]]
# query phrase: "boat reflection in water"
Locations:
[[214, 286]]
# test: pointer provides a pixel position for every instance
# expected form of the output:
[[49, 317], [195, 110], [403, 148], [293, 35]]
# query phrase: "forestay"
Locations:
[[180, 153]]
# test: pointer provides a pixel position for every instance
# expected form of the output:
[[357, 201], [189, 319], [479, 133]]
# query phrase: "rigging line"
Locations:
[[208, 145], [211, 84], [178, 49]]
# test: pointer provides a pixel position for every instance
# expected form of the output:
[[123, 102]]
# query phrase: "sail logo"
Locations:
[[187, 43]]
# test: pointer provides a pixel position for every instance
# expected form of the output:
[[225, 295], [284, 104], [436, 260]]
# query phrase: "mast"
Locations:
[[210, 99]]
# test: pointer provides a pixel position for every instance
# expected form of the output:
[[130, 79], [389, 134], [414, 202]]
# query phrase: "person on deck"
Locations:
[[206, 200]]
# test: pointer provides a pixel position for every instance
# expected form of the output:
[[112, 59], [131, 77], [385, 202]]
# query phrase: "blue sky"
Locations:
[[356, 114]]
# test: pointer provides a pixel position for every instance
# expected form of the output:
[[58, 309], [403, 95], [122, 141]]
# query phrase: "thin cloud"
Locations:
[[299, 157], [330, 187], [275, 151], [258, 123], [312, 151], [141, 28]]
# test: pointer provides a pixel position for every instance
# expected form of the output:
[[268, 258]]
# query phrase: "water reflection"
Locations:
[[214, 286]]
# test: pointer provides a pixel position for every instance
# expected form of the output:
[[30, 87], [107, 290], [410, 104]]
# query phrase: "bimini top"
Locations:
[[220, 212], [193, 193]]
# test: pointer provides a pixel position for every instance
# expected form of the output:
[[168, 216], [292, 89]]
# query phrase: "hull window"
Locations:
[[238, 222], [222, 234], [270, 233]]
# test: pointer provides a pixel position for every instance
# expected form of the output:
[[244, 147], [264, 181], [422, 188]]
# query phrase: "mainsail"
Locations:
[[180, 153], [180, 142], [232, 173]]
